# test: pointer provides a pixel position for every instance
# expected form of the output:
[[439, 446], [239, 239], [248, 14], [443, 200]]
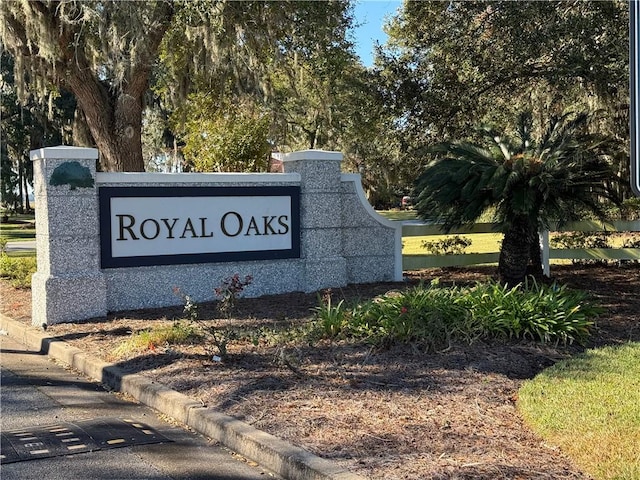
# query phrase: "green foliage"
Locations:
[[3, 245], [422, 316], [18, 270], [231, 138], [431, 317], [581, 240], [454, 245], [102, 52], [108, 54], [25, 127], [545, 313], [589, 406], [555, 176], [191, 309], [294, 67], [530, 181], [451, 65], [330, 319], [211, 334], [628, 210], [163, 336]]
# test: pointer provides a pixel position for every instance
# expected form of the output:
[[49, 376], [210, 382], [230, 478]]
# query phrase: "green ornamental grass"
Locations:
[[545, 313], [433, 316]]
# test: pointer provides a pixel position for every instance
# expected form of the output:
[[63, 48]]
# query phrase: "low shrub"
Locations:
[[545, 313], [331, 320], [228, 292], [455, 245], [18, 270], [582, 240], [629, 210], [421, 315], [431, 316]]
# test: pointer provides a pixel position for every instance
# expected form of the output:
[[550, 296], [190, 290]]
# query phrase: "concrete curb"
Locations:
[[282, 458]]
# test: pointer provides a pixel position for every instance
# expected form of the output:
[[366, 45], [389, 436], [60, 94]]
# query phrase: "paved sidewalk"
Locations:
[[55, 424], [278, 456]]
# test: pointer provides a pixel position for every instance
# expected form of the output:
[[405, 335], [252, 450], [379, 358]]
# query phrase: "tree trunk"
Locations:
[[515, 252], [120, 143], [115, 123], [20, 200], [535, 256], [113, 106], [114, 113], [27, 204], [81, 134]]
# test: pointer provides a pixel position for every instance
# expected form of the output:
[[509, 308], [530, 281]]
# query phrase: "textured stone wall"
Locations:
[[371, 244], [68, 285], [343, 240]]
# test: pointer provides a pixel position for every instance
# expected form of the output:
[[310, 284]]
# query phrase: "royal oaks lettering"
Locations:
[[159, 226], [231, 224]]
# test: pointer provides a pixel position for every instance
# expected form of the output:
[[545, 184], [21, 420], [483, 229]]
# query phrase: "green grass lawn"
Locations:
[[19, 227], [399, 215], [589, 406], [481, 242]]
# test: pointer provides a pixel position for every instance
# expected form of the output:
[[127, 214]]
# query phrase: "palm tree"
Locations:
[[562, 176]]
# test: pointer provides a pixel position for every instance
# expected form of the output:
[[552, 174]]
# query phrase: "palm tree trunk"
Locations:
[[535, 256], [515, 252]]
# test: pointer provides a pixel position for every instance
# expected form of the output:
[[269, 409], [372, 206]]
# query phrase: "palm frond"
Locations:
[[556, 178]]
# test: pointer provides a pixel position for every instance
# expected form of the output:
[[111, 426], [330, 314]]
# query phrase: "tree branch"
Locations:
[[17, 33], [139, 78]]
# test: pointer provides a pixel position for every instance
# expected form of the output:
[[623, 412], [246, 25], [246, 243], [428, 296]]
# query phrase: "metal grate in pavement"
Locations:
[[69, 438]]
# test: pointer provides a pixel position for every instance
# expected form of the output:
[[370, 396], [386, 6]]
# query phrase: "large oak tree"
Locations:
[[103, 52], [107, 53]]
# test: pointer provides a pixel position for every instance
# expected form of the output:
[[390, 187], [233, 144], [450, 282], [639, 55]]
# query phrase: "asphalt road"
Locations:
[[36, 393]]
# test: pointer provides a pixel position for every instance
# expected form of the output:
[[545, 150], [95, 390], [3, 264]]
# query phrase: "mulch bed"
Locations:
[[399, 413]]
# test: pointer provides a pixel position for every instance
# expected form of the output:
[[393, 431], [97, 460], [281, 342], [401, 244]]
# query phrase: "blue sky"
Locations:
[[371, 13]]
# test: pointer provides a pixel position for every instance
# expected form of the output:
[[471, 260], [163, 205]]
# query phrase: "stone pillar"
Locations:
[[320, 217], [68, 285]]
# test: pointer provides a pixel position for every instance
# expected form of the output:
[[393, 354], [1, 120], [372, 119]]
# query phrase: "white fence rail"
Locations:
[[416, 262]]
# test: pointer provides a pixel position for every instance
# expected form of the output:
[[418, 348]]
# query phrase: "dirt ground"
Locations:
[[393, 414]]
